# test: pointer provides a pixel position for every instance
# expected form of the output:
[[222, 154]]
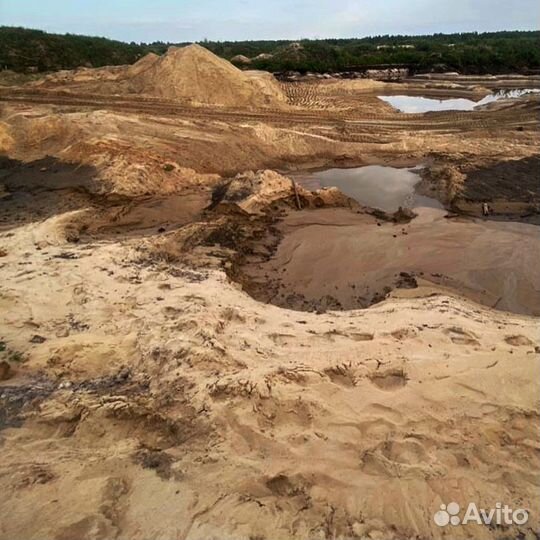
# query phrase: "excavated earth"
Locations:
[[194, 347]]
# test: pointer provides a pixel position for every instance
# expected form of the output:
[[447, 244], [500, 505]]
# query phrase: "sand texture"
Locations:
[[193, 349]]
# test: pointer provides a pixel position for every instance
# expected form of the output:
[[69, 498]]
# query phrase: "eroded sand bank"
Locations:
[[335, 258]]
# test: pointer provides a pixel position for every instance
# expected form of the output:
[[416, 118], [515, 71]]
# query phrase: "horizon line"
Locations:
[[208, 40]]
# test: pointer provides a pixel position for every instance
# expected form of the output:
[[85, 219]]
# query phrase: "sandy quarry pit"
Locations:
[[186, 354]]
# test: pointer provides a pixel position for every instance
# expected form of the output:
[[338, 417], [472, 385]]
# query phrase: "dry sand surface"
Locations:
[[158, 401], [146, 391]]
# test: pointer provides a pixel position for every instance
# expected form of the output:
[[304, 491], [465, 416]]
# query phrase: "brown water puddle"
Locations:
[[376, 186]]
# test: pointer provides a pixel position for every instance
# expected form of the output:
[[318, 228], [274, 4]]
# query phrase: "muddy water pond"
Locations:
[[386, 188], [418, 104]]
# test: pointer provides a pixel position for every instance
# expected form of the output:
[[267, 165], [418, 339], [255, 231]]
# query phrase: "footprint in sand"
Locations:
[[282, 485], [355, 336], [361, 336], [383, 411], [281, 339], [518, 341], [403, 333], [390, 380], [461, 337], [398, 458], [341, 374]]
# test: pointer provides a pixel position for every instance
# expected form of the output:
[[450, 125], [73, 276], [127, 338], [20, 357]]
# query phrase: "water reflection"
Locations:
[[418, 104], [376, 186]]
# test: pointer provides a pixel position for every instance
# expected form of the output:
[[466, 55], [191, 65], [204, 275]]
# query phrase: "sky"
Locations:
[[186, 20]]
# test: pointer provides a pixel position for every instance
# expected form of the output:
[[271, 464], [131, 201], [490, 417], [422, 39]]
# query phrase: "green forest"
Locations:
[[26, 51]]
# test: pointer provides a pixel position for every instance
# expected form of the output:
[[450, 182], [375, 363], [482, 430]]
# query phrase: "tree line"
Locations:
[[24, 50]]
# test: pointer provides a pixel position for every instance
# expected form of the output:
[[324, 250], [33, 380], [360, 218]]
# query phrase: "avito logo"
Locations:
[[449, 514]]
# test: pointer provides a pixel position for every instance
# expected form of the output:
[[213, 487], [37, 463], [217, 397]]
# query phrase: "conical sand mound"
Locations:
[[192, 74], [195, 74]]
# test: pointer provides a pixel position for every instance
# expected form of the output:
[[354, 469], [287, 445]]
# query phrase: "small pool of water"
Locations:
[[418, 104], [386, 188]]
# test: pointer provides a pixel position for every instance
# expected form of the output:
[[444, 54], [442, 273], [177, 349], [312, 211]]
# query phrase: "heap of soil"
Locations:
[[192, 74], [240, 59], [195, 74]]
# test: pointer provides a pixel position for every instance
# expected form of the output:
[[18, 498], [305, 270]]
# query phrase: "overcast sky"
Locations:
[[185, 20]]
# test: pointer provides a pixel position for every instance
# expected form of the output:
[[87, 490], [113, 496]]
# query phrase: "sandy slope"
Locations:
[[164, 403], [334, 253]]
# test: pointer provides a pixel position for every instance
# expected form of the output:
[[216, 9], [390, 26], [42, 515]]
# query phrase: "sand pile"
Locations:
[[81, 76], [87, 76], [240, 59], [195, 74], [141, 65], [192, 74]]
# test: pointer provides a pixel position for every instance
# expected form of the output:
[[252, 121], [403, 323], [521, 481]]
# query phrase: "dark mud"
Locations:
[[36, 191]]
